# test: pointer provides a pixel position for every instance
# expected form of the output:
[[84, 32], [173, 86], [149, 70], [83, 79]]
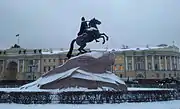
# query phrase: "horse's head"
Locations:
[[93, 22], [96, 21]]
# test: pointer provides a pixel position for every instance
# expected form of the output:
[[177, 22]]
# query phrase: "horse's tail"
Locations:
[[71, 49]]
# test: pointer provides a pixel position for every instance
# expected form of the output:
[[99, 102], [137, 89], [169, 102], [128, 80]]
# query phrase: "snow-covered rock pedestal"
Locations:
[[81, 73]]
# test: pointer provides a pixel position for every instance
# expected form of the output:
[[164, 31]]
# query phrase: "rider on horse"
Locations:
[[87, 35], [83, 28]]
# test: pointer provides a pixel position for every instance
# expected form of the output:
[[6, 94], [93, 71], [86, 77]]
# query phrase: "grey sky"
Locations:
[[54, 23]]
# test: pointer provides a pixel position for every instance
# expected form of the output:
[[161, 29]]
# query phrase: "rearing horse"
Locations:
[[92, 33], [93, 27]]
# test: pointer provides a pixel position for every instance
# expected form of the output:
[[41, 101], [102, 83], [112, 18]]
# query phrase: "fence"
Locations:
[[87, 97]]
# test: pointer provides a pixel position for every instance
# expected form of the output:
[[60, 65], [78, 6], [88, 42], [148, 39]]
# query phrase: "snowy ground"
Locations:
[[153, 105]]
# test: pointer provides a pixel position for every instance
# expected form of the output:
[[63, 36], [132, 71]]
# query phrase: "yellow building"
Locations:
[[148, 63], [138, 63], [28, 64]]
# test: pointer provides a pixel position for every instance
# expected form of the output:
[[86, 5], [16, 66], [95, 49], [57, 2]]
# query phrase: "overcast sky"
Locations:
[[54, 23]]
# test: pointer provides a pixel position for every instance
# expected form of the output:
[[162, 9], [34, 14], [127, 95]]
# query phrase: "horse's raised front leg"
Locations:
[[103, 39], [107, 38]]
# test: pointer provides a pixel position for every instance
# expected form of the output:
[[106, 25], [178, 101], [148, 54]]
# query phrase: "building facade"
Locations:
[[139, 63], [28, 64], [148, 63]]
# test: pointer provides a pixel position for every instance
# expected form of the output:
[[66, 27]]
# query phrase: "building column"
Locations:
[[165, 59], [174, 59], [146, 63], [3, 65], [18, 66], [39, 67], [1, 73], [178, 64], [132, 63], [170, 62], [160, 67], [126, 64], [23, 66], [152, 62]]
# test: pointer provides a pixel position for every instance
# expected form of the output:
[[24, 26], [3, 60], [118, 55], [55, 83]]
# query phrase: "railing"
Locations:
[[87, 97]]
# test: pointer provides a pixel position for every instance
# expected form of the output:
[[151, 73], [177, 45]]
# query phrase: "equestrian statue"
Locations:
[[88, 33]]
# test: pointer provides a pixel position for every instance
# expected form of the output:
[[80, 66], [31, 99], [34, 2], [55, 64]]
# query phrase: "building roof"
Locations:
[[15, 51], [49, 52], [161, 48], [129, 49]]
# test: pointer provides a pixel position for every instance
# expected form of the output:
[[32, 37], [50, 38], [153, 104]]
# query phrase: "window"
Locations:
[[31, 62], [1, 68], [54, 67], [116, 67], [138, 66], [30, 69], [54, 60], [156, 66], [168, 66], [121, 75], [129, 66], [169, 75], [49, 68], [44, 69], [142, 66], [44, 60], [49, 60], [149, 66], [120, 67]]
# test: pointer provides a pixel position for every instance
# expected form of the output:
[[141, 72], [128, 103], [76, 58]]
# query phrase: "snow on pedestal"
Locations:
[[85, 72]]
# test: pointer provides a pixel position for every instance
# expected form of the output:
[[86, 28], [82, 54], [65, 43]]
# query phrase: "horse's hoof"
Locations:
[[107, 39], [103, 43]]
